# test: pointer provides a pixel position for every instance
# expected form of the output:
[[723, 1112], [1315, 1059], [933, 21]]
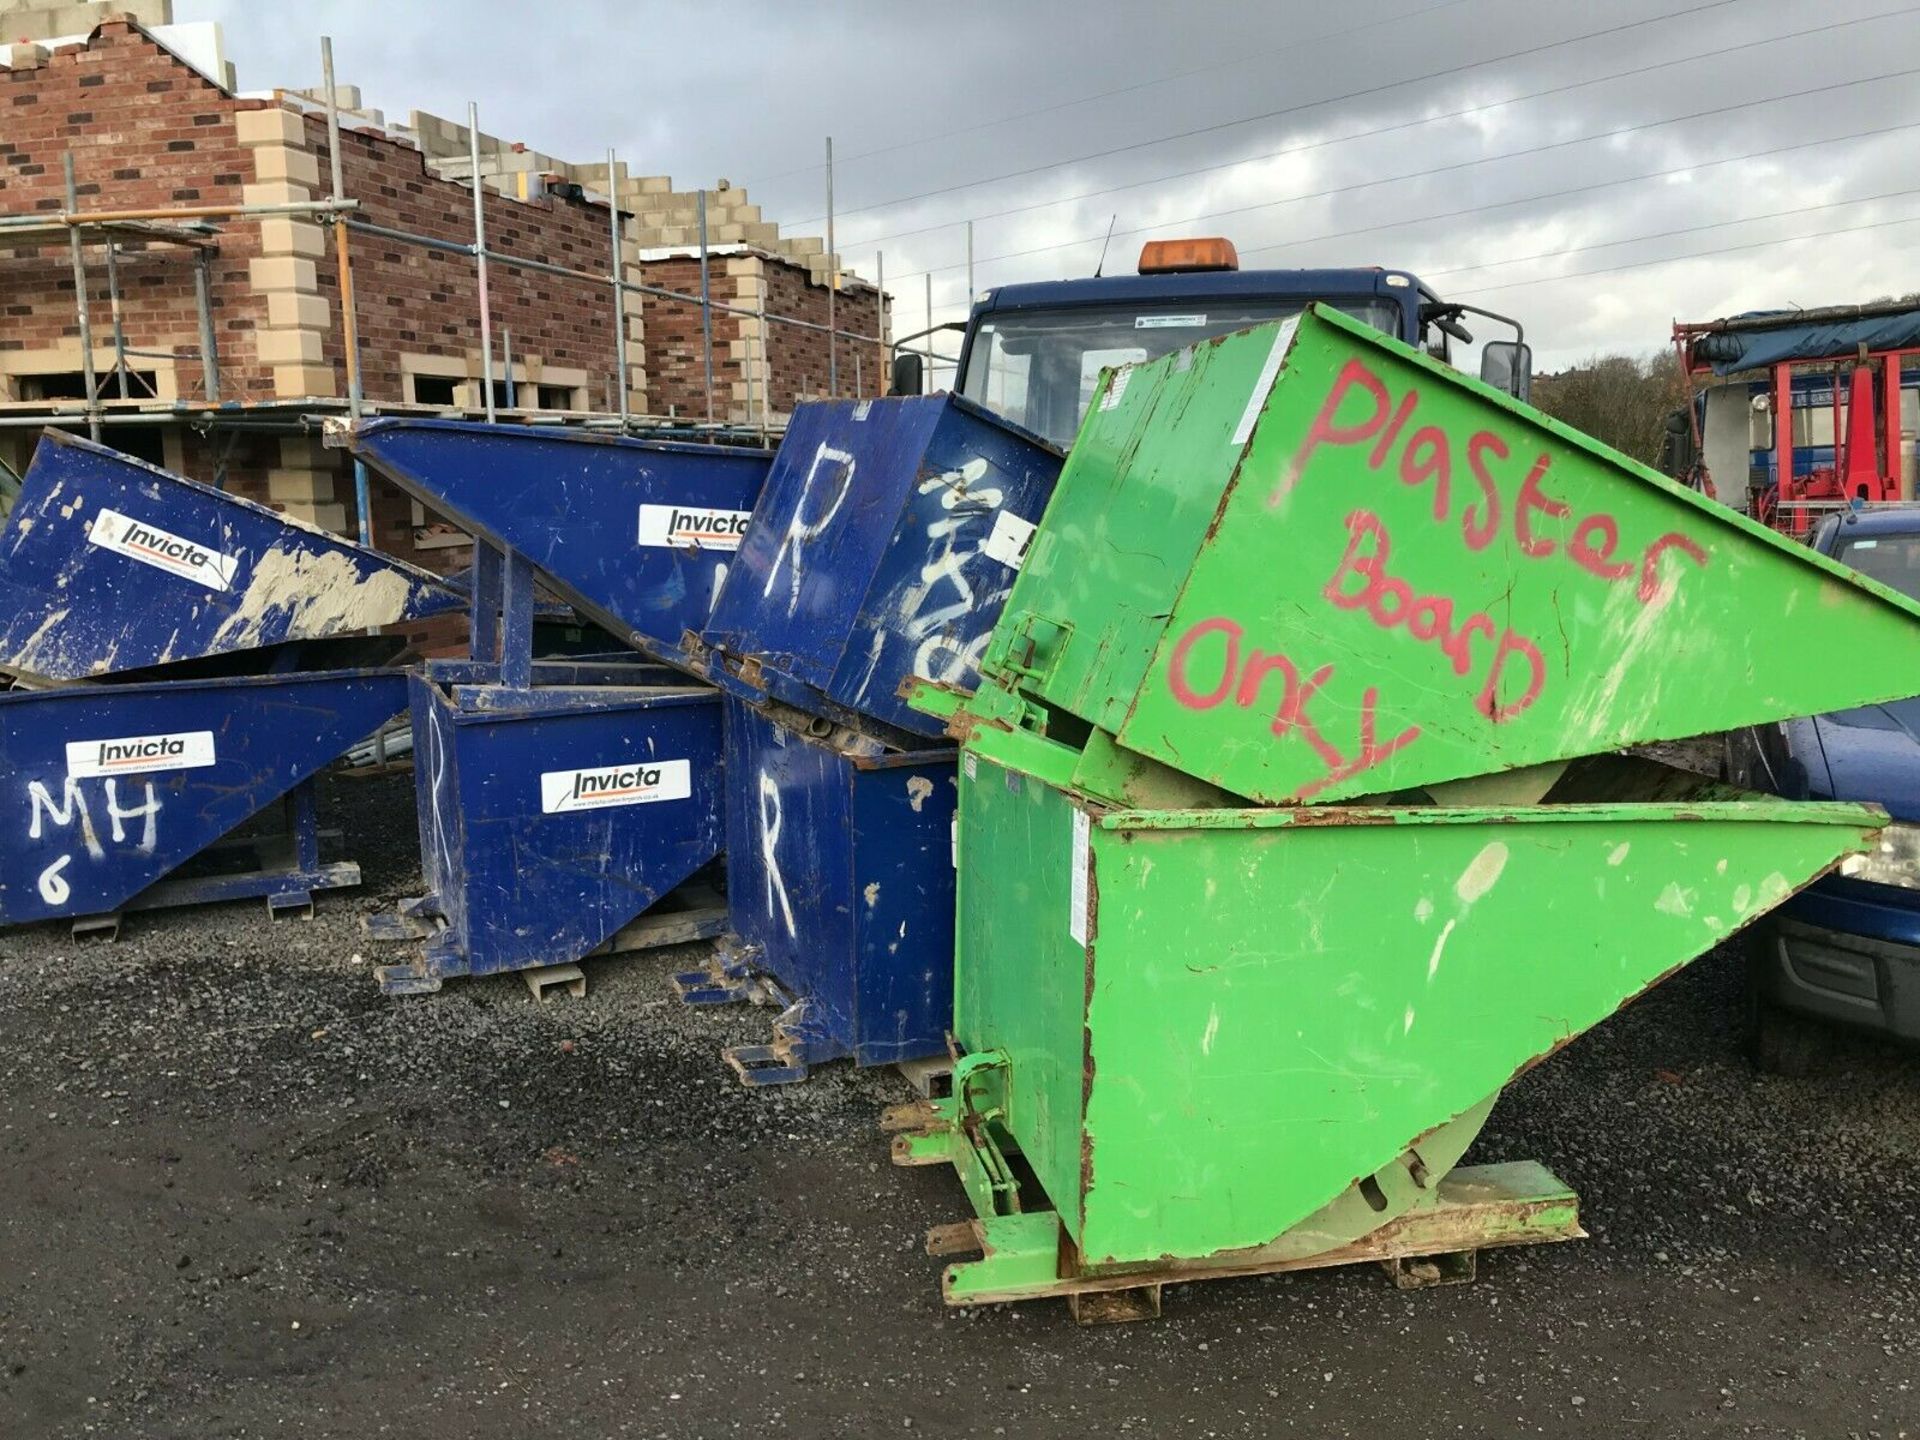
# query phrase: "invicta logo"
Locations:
[[167, 547], [692, 526], [606, 783], [162, 549], [132, 752], [605, 786], [140, 754]]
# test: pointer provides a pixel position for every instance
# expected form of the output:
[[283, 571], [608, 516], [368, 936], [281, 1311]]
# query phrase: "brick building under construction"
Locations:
[[215, 343]]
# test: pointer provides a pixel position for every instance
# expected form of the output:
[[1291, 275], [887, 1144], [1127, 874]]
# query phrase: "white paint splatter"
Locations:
[[1481, 876], [1406, 1024], [1618, 854], [1423, 912], [1675, 901], [1213, 1029], [1742, 899], [1439, 944]]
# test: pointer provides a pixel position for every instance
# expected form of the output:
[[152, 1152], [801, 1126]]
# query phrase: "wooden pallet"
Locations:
[[1026, 1254]]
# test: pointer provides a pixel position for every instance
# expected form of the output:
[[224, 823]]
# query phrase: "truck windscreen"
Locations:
[[1038, 367]]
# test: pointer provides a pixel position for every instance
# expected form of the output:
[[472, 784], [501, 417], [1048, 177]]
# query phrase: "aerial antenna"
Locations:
[[1104, 243]]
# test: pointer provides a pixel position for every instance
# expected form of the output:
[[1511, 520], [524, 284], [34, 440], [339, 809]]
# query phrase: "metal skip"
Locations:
[[637, 534], [245, 632], [1231, 1037], [888, 535], [559, 802], [885, 542], [108, 564], [116, 786], [1468, 585]]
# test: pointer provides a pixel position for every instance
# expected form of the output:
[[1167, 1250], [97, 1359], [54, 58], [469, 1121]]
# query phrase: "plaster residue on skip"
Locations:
[[918, 789], [1633, 627], [319, 594], [28, 653], [1483, 873]]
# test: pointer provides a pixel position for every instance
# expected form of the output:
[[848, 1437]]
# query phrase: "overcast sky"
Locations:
[[1372, 132]]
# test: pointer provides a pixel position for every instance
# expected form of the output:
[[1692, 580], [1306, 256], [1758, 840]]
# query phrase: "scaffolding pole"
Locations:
[[349, 317], [480, 259], [619, 294], [883, 378], [80, 304], [833, 287], [706, 308], [203, 303], [76, 218], [119, 326]]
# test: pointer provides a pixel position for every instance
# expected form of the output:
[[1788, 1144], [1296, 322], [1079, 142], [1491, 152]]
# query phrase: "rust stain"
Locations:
[[1086, 1035]]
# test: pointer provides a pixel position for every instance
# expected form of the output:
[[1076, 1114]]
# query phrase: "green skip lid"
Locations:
[[1306, 563]]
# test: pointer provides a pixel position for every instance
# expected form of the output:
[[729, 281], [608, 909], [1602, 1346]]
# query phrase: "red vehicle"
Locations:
[[1859, 350]]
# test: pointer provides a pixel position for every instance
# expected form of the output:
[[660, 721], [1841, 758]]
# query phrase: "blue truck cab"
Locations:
[[1033, 353]]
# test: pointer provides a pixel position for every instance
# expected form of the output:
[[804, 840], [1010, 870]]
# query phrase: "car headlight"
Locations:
[[1896, 861]]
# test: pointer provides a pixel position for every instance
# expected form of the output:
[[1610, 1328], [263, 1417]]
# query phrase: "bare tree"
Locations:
[[1620, 400]]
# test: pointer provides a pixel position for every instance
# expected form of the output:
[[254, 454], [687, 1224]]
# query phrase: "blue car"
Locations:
[[1847, 949]]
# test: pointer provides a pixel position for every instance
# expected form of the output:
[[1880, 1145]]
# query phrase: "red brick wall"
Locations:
[[411, 300], [799, 357], [145, 131], [676, 366]]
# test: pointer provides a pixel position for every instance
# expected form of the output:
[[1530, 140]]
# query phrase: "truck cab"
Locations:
[[1033, 353]]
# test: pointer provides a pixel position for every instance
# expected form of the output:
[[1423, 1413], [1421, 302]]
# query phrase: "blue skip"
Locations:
[[636, 534], [884, 545], [551, 817], [561, 803], [191, 659], [840, 898], [109, 565], [120, 786]]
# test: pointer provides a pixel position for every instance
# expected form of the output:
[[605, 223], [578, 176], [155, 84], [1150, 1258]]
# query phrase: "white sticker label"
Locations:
[[691, 525], [1007, 542], [1263, 384], [953, 839], [633, 783], [971, 765], [1167, 322], [1077, 901], [139, 754], [153, 546], [1121, 379]]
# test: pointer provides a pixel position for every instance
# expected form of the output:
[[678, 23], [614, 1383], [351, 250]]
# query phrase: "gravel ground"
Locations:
[[241, 1194]]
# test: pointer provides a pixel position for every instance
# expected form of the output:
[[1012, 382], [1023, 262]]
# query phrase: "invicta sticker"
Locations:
[[692, 525], [161, 549], [139, 754], [639, 782]]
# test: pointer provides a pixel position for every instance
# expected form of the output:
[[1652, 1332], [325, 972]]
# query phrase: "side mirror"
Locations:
[[1508, 365], [909, 375]]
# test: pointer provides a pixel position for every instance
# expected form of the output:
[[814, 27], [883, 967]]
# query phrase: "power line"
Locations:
[[1668, 234], [1168, 79], [1693, 255], [1275, 114], [1481, 209], [1433, 170], [864, 241]]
